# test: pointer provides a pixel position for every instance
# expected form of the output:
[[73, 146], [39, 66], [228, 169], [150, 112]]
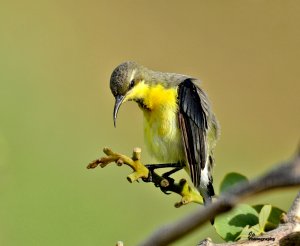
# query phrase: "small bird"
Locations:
[[180, 129]]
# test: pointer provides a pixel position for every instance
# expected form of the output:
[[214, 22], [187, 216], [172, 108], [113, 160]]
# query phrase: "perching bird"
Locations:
[[179, 127]]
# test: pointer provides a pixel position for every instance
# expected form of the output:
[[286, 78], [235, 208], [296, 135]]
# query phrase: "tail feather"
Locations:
[[207, 194]]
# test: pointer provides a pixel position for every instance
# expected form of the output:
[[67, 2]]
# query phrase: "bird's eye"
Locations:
[[131, 84]]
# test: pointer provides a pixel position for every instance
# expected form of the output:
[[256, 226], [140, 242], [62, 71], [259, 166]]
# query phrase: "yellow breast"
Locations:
[[161, 132]]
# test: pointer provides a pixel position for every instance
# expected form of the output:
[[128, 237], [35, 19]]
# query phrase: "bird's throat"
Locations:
[[153, 97], [142, 104]]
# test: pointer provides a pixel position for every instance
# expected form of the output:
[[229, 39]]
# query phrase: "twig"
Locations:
[[188, 193], [287, 233], [284, 175]]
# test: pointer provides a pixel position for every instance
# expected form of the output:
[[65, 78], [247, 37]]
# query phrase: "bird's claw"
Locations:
[[163, 184], [147, 174], [150, 175]]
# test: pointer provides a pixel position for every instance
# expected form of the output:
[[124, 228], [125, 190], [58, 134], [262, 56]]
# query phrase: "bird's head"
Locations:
[[123, 79]]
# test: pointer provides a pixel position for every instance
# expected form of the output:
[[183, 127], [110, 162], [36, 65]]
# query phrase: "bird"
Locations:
[[180, 129]]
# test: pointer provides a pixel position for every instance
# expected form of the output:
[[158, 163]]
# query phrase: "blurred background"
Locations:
[[56, 58]]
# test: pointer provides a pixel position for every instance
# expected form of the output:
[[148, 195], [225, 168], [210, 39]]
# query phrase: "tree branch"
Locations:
[[287, 233], [166, 184], [286, 174]]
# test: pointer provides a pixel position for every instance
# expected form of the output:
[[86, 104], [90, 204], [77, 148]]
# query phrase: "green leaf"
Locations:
[[244, 233], [231, 179], [256, 230], [230, 225], [249, 232], [274, 218], [263, 216]]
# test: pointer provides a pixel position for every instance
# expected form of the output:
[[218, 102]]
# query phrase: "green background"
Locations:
[[56, 58]]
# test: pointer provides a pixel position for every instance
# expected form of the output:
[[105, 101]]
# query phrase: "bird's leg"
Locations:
[[164, 165], [151, 167], [164, 182], [167, 184], [174, 170]]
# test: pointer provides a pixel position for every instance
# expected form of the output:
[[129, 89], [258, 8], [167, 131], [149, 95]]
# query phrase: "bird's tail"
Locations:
[[207, 194]]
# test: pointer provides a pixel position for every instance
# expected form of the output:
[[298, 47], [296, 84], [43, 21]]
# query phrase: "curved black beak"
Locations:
[[119, 100]]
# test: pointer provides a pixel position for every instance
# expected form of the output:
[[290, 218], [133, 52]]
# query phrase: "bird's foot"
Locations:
[[139, 170], [164, 182], [189, 194], [151, 174], [161, 182]]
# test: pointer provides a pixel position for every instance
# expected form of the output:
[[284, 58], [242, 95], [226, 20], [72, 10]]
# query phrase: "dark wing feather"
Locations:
[[192, 118]]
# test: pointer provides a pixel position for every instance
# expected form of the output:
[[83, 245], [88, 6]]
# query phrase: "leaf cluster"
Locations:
[[245, 221]]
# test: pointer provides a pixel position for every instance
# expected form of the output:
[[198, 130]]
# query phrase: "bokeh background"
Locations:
[[56, 58]]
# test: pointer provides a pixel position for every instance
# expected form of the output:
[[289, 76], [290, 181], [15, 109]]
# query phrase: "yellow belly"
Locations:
[[162, 135]]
